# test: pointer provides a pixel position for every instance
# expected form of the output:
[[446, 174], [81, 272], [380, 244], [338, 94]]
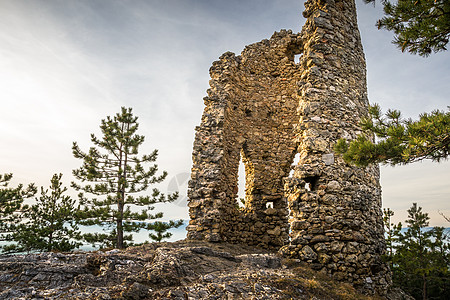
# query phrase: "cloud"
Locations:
[[65, 65]]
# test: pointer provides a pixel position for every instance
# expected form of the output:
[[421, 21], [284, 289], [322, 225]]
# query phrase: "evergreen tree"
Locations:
[[420, 262], [399, 141], [160, 229], [420, 26], [118, 179], [11, 202], [392, 232], [47, 225]]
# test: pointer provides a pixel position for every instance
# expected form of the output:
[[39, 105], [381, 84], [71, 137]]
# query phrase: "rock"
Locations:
[[319, 238], [333, 186], [308, 253], [328, 159], [136, 291], [180, 270], [261, 260]]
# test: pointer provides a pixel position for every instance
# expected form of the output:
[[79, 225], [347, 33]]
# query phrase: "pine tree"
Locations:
[[118, 179], [11, 202], [399, 141], [160, 229], [392, 232], [420, 26], [47, 225], [420, 260]]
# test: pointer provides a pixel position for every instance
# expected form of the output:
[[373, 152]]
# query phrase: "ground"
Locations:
[[179, 270]]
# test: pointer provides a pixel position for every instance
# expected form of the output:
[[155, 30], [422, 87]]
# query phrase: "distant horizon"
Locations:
[[178, 234]]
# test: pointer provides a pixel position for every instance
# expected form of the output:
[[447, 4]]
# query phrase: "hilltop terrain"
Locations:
[[179, 270]]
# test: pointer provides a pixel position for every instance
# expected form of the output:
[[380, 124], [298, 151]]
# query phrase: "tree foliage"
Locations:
[[419, 257], [423, 27], [391, 233], [160, 229], [399, 141], [47, 225], [117, 179], [420, 26], [11, 201]]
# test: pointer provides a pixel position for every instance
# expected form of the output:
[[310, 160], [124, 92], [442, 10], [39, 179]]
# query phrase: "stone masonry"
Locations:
[[264, 108]]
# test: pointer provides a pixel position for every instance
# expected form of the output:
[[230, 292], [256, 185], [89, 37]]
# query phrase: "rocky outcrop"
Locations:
[[180, 270]]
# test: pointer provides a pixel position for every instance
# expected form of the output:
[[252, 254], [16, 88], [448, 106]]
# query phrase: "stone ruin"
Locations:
[[265, 108]]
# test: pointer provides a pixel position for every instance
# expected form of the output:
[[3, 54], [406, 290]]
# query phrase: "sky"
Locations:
[[67, 64]]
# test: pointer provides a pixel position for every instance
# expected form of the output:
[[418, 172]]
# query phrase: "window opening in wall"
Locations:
[[269, 204], [241, 184], [311, 183], [297, 58], [294, 163]]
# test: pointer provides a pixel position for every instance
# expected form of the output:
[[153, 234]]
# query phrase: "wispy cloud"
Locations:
[[65, 65]]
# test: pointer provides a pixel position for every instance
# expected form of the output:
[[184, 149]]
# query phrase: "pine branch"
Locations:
[[399, 141]]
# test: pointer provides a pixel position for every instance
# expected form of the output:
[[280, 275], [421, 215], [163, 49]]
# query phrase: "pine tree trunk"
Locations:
[[121, 203], [120, 197], [119, 234], [50, 240], [120, 226]]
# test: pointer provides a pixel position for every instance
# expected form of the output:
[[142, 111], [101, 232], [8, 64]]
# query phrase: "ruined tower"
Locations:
[[264, 108]]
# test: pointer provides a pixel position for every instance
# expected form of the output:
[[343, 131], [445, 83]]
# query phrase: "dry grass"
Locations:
[[310, 284]]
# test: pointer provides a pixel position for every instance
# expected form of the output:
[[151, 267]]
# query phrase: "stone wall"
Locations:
[[250, 113], [264, 108]]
